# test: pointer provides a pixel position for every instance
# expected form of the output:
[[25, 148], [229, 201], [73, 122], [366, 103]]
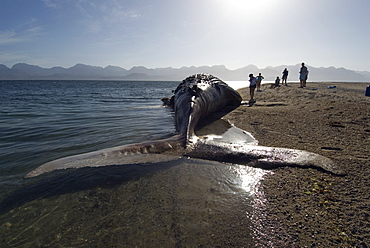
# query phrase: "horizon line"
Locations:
[[137, 66]]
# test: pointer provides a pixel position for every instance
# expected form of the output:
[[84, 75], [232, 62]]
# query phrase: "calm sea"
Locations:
[[182, 203]]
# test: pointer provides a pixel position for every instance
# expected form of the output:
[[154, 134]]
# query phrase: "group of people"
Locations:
[[255, 82]]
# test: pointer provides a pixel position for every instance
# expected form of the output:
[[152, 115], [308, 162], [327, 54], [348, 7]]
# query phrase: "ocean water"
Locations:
[[181, 203]]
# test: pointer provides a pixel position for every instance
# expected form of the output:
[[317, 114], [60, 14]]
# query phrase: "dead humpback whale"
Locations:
[[199, 100]]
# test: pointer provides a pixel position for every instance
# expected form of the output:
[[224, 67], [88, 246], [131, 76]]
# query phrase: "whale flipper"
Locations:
[[149, 152], [261, 156]]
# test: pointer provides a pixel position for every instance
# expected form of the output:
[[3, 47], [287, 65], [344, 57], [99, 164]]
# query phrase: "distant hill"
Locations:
[[24, 71]]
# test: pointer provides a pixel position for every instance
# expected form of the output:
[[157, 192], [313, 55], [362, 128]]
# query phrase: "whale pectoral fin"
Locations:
[[153, 152], [262, 156], [299, 158]]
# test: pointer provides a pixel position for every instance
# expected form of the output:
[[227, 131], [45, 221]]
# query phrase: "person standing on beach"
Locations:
[[285, 77], [259, 80], [252, 86], [303, 75]]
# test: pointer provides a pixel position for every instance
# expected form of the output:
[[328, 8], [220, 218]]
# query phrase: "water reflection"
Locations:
[[180, 203], [249, 177], [221, 130]]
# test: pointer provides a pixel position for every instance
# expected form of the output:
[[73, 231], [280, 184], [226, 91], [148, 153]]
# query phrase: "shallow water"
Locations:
[[181, 203]]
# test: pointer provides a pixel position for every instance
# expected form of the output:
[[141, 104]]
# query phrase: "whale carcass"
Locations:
[[199, 100]]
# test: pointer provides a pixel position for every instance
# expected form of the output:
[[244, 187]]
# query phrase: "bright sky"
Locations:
[[176, 33]]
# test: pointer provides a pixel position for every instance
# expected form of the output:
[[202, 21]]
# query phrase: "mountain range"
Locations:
[[22, 71]]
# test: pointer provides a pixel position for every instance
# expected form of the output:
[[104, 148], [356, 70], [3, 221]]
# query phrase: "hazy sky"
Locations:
[[176, 33]]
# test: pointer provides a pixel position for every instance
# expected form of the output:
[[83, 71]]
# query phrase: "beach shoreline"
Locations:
[[308, 207]]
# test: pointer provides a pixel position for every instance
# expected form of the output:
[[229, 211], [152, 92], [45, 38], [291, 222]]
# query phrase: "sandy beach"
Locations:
[[308, 207]]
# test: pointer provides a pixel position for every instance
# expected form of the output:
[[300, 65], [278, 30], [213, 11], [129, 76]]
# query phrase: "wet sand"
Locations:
[[307, 207]]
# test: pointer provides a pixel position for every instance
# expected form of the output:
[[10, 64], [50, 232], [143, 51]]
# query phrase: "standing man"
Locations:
[[303, 75], [285, 77], [252, 87], [259, 80]]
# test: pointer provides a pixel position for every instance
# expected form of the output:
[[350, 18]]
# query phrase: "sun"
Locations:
[[249, 4], [247, 8]]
